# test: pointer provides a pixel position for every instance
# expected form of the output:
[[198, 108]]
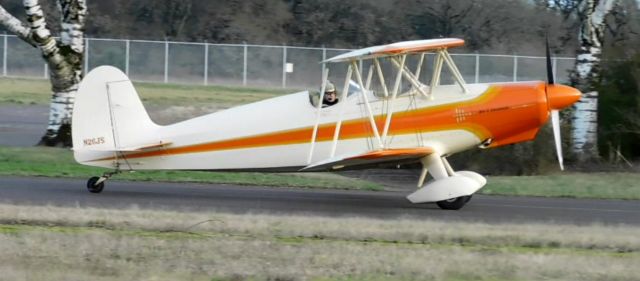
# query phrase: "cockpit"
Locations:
[[315, 97]]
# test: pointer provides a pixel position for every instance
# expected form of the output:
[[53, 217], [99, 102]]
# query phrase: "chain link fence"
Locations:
[[256, 65]]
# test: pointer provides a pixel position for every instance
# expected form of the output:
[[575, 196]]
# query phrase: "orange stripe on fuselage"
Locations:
[[500, 112]]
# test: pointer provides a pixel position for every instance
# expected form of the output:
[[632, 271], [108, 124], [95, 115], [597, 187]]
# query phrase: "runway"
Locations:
[[22, 125], [336, 203]]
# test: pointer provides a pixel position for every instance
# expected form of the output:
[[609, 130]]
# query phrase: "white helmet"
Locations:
[[329, 87]]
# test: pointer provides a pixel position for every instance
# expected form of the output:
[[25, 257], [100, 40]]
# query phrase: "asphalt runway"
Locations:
[[335, 203], [22, 125]]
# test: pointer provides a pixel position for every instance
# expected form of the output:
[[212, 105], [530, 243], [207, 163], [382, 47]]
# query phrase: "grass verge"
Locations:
[[57, 162], [45, 243], [576, 185]]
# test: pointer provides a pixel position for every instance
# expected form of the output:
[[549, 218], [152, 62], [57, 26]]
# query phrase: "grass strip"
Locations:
[[26, 226], [56, 243], [299, 229], [612, 185], [57, 162]]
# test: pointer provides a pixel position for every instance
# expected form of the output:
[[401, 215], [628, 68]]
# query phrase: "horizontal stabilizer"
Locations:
[[370, 157], [145, 147], [131, 148]]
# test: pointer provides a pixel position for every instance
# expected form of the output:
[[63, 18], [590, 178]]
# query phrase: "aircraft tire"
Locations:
[[454, 203], [93, 187]]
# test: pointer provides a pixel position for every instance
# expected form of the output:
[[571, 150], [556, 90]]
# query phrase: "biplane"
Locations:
[[399, 118]]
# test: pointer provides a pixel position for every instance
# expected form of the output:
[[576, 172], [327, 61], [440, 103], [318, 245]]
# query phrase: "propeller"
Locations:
[[555, 122], [555, 113]]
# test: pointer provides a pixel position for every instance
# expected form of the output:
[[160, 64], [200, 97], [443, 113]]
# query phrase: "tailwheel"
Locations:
[[96, 184], [454, 203], [93, 186]]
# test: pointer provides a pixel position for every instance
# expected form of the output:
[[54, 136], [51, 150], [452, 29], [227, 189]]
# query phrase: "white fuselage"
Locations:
[[255, 136]]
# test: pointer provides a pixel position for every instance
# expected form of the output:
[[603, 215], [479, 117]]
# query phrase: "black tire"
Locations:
[[454, 203], [93, 187]]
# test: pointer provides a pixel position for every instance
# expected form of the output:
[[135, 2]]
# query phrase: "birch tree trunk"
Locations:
[[64, 58], [586, 76]]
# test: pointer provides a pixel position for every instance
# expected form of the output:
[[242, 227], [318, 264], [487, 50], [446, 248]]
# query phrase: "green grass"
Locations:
[[38, 91], [24, 91], [57, 162], [579, 185]]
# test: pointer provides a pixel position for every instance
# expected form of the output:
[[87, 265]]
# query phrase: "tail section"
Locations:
[[108, 117]]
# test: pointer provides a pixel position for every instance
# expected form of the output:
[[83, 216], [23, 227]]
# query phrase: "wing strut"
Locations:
[[364, 90], [345, 90], [396, 88], [376, 62], [369, 77], [435, 77], [419, 67], [325, 75], [454, 70], [410, 77], [443, 56]]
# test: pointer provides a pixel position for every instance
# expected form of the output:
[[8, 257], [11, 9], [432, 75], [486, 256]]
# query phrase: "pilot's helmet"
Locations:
[[329, 87]]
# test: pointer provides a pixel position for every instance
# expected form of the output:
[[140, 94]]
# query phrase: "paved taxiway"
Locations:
[[245, 199]]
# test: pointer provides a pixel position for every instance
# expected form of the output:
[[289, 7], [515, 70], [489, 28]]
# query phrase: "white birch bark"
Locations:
[[64, 59], [586, 76], [66, 71], [15, 26]]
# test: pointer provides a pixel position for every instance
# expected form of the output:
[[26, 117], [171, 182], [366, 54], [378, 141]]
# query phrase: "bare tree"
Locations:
[[64, 57], [586, 76]]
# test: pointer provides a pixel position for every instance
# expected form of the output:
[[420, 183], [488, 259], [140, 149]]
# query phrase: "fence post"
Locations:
[[244, 66], [86, 55], [477, 68], [284, 66], [515, 68], [206, 63], [126, 57], [166, 60], [4, 56]]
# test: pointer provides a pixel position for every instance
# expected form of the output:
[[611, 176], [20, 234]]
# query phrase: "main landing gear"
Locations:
[[449, 189], [96, 184], [454, 203]]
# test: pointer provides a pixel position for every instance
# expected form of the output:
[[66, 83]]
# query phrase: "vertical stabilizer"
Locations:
[[108, 116]]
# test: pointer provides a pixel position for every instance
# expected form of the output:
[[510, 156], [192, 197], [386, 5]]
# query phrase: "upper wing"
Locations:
[[370, 157], [416, 46]]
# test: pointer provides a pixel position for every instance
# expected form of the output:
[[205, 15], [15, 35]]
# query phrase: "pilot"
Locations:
[[330, 95]]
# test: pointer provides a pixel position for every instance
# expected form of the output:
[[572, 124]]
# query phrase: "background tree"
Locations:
[[619, 109], [348, 24], [64, 58], [586, 76]]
